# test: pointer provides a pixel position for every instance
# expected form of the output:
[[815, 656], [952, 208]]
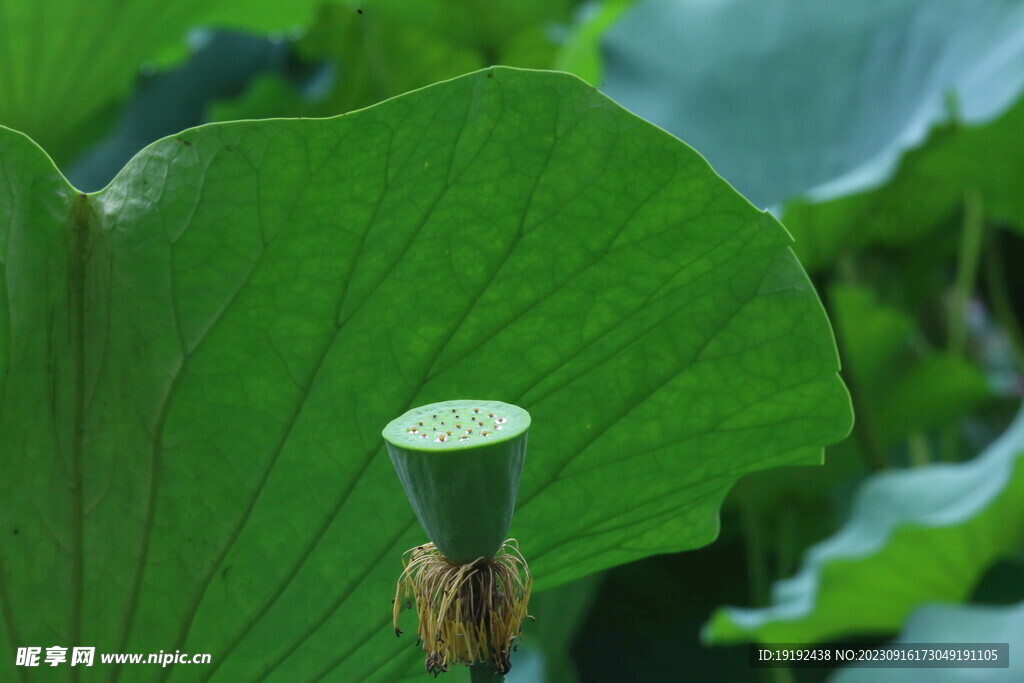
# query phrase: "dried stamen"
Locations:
[[470, 613]]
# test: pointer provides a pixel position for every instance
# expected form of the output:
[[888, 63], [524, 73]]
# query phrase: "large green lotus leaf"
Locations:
[[953, 624], [199, 359], [65, 62], [926, 192], [913, 537], [786, 96]]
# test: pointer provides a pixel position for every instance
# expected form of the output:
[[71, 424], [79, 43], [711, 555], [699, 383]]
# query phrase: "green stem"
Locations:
[[872, 452], [756, 552], [787, 546], [999, 297], [755, 541], [917, 446], [966, 270], [479, 673], [787, 549], [846, 267], [972, 237]]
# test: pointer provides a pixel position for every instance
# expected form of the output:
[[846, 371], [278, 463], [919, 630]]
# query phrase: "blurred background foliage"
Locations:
[[889, 137]]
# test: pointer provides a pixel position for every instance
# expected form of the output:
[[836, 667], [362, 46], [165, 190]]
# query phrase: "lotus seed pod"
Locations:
[[460, 463]]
